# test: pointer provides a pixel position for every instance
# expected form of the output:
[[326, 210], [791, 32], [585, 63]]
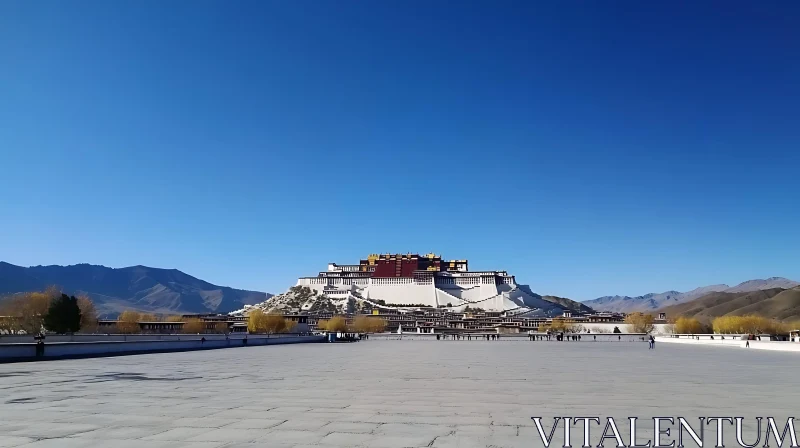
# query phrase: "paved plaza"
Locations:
[[379, 393]]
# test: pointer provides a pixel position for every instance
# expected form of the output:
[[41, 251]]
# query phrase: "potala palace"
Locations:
[[426, 280]]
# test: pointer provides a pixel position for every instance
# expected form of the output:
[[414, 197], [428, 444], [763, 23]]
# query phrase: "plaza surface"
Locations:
[[380, 393]]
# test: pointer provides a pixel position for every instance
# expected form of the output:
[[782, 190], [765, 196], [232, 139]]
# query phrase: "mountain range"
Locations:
[[654, 301], [140, 288], [778, 303]]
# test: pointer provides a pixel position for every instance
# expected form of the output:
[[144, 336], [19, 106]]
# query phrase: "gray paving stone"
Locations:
[[43, 429], [204, 422], [302, 424], [229, 435], [180, 434], [396, 441], [350, 427], [122, 432], [292, 437], [346, 439], [378, 393], [10, 441], [255, 423]]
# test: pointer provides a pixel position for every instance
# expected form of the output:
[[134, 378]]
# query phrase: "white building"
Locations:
[[426, 280]]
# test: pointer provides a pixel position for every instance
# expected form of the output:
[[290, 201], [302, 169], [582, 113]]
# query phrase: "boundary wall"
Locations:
[[28, 351]]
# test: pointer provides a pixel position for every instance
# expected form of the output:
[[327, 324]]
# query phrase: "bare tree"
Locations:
[[88, 314]]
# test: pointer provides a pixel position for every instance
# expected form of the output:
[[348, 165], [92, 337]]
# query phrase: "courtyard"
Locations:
[[381, 393]]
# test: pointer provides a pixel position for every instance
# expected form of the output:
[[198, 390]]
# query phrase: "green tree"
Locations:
[[64, 315]]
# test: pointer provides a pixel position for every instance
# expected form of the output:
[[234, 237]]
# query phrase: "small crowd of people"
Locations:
[[558, 337], [468, 337]]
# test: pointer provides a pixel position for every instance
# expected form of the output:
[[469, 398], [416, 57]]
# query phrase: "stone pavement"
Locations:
[[379, 393]]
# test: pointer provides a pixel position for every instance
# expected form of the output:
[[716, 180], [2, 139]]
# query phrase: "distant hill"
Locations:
[[140, 288], [778, 303], [569, 304], [770, 283], [654, 301]]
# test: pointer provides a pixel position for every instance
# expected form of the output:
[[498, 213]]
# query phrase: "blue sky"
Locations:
[[589, 148]]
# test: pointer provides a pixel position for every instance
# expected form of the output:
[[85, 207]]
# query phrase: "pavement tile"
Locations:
[[10, 441], [122, 432], [253, 423], [292, 436], [344, 439], [42, 429], [179, 434], [350, 427], [302, 424], [229, 435]]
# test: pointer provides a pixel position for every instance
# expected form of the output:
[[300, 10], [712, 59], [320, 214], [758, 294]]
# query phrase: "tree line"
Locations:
[[49, 310], [260, 322], [359, 324], [747, 324]]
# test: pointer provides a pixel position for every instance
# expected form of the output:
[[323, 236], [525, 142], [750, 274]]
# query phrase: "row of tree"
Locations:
[[47, 310], [751, 324], [359, 324], [748, 324]]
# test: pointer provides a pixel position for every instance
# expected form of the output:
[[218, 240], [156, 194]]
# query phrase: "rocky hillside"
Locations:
[[162, 291], [303, 298]]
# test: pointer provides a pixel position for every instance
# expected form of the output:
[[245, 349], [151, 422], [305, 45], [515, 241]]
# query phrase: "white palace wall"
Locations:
[[402, 294]]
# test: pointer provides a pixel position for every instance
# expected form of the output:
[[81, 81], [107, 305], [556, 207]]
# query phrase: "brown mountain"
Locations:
[[141, 288], [778, 303]]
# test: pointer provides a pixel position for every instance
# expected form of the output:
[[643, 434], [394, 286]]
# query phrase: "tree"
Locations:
[[173, 319], [26, 312], [360, 324], [640, 322], [88, 314], [220, 327], [322, 325], [749, 324], [376, 324], [63, 315], [9, 321], [193, 325], [274, 323], [128, 322], [616, 330], [565, 326], [689, 325], [256, 321], [336, 324]]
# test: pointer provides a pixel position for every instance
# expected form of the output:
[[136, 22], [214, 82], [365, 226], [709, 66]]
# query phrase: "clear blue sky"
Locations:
[[589, 148]]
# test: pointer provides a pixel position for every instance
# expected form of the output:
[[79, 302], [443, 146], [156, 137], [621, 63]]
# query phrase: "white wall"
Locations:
[[11, 352], [402, 294], [609, 327]]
